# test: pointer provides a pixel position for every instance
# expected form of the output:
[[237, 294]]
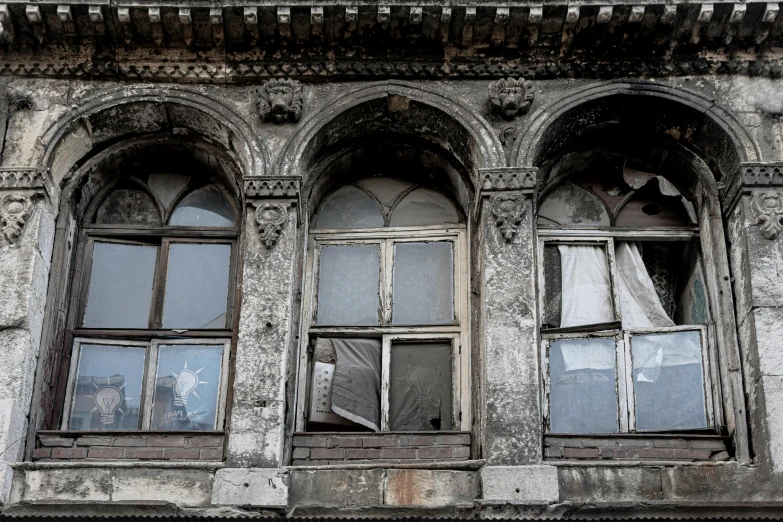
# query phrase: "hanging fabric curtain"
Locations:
[[640, 305], [587, 292], [356, 391]]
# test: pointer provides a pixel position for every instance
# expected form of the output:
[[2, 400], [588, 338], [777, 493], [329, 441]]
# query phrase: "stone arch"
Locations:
[[417, 114], [683, 118], [124, 112]]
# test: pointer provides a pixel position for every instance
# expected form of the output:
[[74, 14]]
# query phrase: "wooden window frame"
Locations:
[[607, 236], [458, 331], [149, 372]]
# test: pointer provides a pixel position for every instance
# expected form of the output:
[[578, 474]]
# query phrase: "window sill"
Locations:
[[612, 448], [116, 464], [463, 465]]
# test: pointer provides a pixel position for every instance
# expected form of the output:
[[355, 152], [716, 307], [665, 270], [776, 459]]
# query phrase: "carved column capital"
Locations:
[[20, 187], [272, 197], [747, 179], [505, 191], [768, 208]]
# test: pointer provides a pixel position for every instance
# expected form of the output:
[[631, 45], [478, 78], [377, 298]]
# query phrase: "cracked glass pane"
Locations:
[[196, 286], [187, 385], [668, 381], [583, 389], [204, 207], [120, 286], [420, 394], [423, 283], [348, 285], [107, 391]]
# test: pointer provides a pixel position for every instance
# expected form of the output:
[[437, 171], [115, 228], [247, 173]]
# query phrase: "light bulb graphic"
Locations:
[[108, 400], [185, 384], [424, 379]]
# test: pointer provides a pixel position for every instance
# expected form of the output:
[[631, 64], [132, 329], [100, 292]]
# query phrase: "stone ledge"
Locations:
[[536, 483]]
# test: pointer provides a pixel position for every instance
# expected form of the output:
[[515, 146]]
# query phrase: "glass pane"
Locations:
[[553, 289], [196, 286], [424, 207], [128, 206], [107, 392], [668, 381], [583, 392], [385, 189], [349, 207], [167, 186], [348, 285], [572, 205], [187, 385], [420, 389], [120, 286], [423, 283], [204, 207]]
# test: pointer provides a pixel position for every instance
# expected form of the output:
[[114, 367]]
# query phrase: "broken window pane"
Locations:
[[196, 286], [167, 186], [423, 207], [420, 394], [107, 391], [553, 282], [204, 207], [668, 381], [120, 286], [348, 285], [583, 392], [128, 206], [187, 384], [423, 283], [349, 207], [572, 205]]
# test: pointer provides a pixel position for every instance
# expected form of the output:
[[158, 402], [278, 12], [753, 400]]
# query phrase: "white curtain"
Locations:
[[587, 293], [640, 305]]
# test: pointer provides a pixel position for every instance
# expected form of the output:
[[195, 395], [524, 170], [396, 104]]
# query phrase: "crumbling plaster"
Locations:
[[72, 119]]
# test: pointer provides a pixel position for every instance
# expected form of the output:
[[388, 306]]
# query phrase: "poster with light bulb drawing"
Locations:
[[187, 383], [108, 390]]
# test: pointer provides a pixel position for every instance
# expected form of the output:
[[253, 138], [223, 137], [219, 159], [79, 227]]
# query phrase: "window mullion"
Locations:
[[614, 280], [625, 394], [385, 381], [387, 271], [159, 285], [148, 386]]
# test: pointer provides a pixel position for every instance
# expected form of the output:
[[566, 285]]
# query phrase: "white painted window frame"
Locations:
[[607, 236], [152, 349], [457, 332]]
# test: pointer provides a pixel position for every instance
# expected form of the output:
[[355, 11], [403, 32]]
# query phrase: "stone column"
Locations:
[[266, 314], [511, 403], [26, 239], [753, 206]]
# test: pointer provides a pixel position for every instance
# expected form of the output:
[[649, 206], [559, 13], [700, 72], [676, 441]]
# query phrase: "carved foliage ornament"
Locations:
[[280, 100], [270, 217], [509, 97], [769, 213], [15, 210], [508, 210]]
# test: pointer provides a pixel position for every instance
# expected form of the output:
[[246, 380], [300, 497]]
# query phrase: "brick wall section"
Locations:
[[319, 449], [637, 447], [64, 445]]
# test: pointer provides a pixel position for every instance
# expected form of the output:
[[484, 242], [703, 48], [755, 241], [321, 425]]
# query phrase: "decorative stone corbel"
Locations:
[[505, 190], [510, 97], [280, 100], [271, 198], [19, 189], [769, 212]]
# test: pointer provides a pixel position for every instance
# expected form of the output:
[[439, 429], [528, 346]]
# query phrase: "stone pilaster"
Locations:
[[753, 207], [26, 238], [511, 416], [257, 424]]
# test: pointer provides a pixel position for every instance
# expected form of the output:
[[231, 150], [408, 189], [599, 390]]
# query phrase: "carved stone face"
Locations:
[[511, 100], [280, 99]]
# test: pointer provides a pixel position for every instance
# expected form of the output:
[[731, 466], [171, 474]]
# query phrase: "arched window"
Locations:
[[385, 321], [152, 304], [623, 306]]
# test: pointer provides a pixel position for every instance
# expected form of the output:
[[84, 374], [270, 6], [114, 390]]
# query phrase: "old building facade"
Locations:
[[477, 260]]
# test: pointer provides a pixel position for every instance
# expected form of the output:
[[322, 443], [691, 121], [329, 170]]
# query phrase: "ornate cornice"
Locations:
[[25, 178], [502, 191], [269, 187], [271, 198], [507, 178], [750, 175]]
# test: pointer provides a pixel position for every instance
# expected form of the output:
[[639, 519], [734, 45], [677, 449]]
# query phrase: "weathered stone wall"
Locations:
[[72, 121]]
